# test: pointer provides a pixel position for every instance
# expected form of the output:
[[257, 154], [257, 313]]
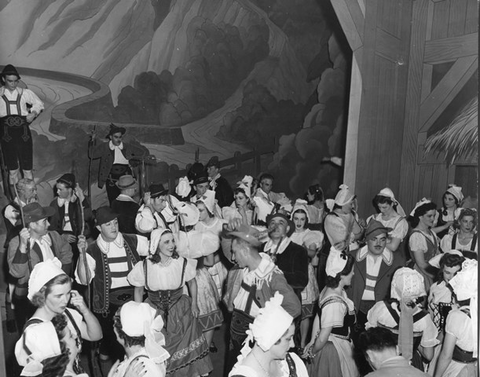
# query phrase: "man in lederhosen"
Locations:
[[114, 160], [18, 108]]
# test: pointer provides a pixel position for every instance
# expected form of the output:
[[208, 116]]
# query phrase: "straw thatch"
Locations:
[[460, 139]]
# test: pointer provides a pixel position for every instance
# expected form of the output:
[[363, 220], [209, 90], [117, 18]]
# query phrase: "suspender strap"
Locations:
[[70, 318], [31, 321], [251, 289]]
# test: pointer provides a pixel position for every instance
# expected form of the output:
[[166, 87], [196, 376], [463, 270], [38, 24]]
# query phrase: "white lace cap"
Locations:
[[42, 273], [435, 261], [209, 200], [407, 284], [388, 193], [155, 238], [465, 282], [419, 204]]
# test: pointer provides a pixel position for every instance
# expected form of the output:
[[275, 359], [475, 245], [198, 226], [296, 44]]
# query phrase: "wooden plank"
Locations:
[[428, 33], [441, 14], [449, 49], [471, 21], [446, 90], [388, 46], [412, 103], [426, 81], [351, 19], [456, 21]]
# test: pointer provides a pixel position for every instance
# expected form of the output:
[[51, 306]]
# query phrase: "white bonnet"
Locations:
[[42, 273], [407, 284]]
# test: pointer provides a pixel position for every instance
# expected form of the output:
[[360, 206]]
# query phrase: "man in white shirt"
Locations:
[[105, 264], [374, 267], [34, 244], [18, 108]]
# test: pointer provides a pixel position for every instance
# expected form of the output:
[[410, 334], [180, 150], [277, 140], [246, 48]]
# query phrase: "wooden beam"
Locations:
[[446, 90], [456, 22], [412, 104], [449, 49], [351, 19]]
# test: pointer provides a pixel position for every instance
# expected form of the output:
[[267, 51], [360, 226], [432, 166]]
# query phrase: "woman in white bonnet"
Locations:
[[391, 214], [404, 312], [459, 355], [50, 289], [452, 204], [272, 333], [242, 206], [140, 334]]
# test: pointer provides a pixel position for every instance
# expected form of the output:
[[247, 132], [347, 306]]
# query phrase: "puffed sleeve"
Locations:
[[136, 277], [401, 229], [446, 242], [143, 246], [333, 314], [190, 269], [417, 242], [375, 314]]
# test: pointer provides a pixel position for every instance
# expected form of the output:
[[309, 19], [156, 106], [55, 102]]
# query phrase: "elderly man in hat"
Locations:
[[291, 258], [157, 212], [114, 159], [105, 264], [374, 267], [223, 190], [34, 244], [125, 204], [252, 284], [18, 108]]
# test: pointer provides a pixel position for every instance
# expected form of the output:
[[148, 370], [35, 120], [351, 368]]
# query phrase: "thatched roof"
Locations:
[[460, 139]]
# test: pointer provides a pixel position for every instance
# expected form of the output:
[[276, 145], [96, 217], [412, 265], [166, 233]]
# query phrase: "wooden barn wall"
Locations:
[[443, 31], [385, 57]]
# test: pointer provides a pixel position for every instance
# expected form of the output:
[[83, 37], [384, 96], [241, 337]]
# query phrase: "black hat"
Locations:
[[104, 215], [34, 211], [156, 190], [214, 161], [67, 179], [195, 170], [115, 129], [200, 179], [10, 70]]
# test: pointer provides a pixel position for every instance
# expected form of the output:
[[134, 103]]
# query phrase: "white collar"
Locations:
[[105, 246], [270, 246], [215, 178], [387, 255], [42, 240], [264, 269], [112, 147]]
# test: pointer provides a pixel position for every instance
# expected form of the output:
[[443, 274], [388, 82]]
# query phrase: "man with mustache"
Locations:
[[374, 267]]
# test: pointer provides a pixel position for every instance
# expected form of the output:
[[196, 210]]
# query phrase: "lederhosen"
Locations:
[[240, 324], [16, 138], [165, 299], [466, 253], [417, 360]]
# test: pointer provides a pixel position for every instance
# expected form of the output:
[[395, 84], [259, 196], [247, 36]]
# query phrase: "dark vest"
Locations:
[[101, 282]]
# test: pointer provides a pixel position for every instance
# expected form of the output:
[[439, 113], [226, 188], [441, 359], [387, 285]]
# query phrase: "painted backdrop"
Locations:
[[217, 76]]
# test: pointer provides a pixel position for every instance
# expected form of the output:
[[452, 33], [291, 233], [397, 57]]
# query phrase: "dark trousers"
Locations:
[[16, 142]]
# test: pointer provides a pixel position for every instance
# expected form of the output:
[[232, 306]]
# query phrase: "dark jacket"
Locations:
[[107, 156], [384, 279], [223, 192]]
